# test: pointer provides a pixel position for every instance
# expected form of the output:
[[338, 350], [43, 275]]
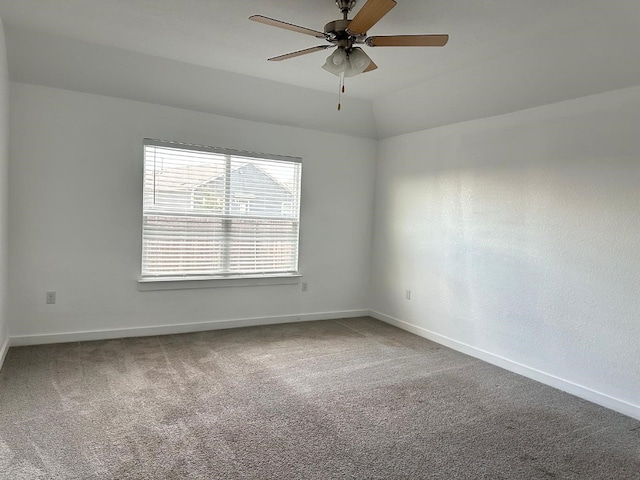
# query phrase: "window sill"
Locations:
[[152, 284]]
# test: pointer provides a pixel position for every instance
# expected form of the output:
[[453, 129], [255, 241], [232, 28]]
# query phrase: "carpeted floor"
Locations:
[[337, 399]]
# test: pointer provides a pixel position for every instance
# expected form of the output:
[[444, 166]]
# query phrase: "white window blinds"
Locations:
[[210, 212]]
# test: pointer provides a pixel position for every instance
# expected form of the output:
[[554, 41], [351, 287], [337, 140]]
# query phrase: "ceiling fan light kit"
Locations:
[[346, 63], [349, 60]]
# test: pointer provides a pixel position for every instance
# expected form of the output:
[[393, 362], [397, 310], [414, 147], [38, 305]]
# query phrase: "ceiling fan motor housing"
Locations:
[[337, 34]]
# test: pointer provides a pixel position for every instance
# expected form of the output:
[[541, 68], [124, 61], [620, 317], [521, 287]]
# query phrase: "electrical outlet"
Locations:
[[51, 298], [407, 294], [305, 287]]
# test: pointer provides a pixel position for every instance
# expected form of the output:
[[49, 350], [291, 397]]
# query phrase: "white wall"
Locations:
[[4, 197], [76, 207], [518, 236]]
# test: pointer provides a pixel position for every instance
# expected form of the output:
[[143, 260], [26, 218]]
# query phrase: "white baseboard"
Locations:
[[4, 348], [22, 340], [585, 393]]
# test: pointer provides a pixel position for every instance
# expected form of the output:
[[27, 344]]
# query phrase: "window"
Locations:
[[217, 213]]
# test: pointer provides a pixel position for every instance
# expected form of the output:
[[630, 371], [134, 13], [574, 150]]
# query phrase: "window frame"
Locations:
[[224, 279]]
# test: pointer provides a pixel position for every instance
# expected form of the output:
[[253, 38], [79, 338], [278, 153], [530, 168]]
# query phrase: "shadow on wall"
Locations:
[[535, 262]]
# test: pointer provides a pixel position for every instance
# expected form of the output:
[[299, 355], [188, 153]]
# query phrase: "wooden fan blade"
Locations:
[[369, 14], [408, 41], [298, 53], [372, 66], [287, 26]]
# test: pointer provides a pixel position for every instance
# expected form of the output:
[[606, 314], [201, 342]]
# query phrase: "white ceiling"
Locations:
[[218, 34], [534, 51]]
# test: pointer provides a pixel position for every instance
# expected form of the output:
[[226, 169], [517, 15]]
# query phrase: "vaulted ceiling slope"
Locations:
[[503, 56], [60, 62]]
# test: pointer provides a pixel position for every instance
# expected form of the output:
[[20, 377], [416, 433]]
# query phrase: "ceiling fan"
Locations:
[[348, 59]]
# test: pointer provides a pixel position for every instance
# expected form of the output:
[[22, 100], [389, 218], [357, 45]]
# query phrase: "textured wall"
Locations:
[[76, 197], [518, 236]]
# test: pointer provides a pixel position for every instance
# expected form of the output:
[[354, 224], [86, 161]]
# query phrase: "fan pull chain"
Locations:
[[340, 91]]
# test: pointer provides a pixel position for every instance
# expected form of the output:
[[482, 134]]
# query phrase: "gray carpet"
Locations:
[[351, 398]]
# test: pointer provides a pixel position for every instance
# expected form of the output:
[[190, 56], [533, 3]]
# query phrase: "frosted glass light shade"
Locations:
[[350, 64], [358, 61], [337, 62]]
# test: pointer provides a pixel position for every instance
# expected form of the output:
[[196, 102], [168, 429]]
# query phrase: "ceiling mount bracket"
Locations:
[[345, 6]]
